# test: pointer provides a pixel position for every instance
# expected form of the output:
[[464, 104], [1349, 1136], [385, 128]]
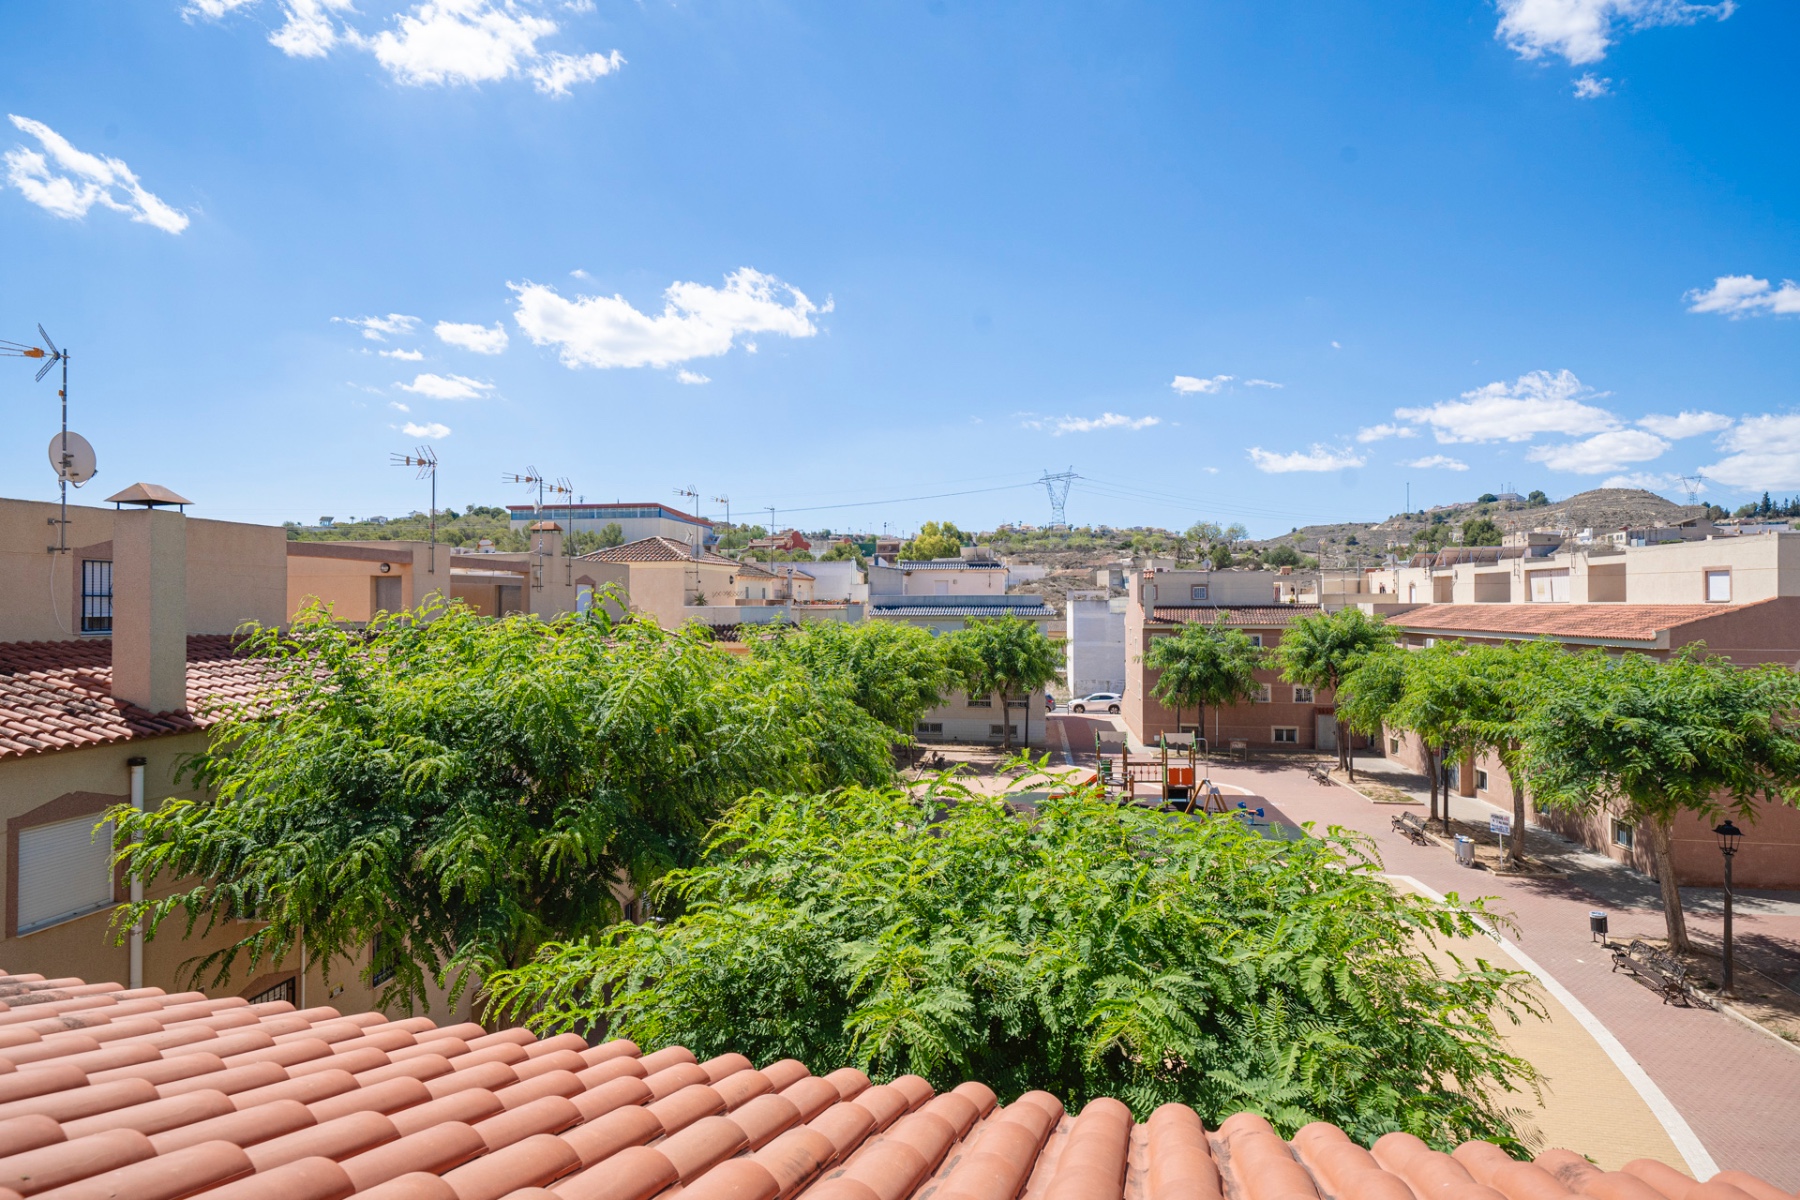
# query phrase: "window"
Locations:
[[1198, 591], [1000, 731], [96, 596], [1393, 745], [381, 974], [1548, 587], [1481, 780], [1430, 642], [1302, 695], [1286, 735], [65, 871], [1256, 640], [285, 990], [981, 702], [928, 727], [1264, 694], [1718, 587], [1624, 835]]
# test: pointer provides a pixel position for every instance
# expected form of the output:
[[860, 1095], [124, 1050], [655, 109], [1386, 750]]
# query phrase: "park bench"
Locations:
[[1410, 825], [1661, 970], [1320, 773]]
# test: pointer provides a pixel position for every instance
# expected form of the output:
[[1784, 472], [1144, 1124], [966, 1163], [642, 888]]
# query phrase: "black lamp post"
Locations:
[[1728, 835]]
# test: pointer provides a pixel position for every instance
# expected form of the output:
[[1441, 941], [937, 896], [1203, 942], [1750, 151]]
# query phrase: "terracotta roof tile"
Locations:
[[1606, 622], [657, 549], [1257, 616], [722, 1129], [58, 695]]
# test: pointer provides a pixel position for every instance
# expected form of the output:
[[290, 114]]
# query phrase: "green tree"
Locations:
[[1433, 704], [1536, 498], [1001, 656], [1319, 650], [1486, 498], [1370, 690], [1281, 555], [1481, 531], [1201, 665], [894, 672], [1654, 739], [1073, 952], [1506, 683], [586, 541], [936, 539], [842, 551], [457, 789]]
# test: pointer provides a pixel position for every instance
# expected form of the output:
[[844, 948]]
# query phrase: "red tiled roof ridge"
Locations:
[[1624, 622], [656, 548], [227, 1100]]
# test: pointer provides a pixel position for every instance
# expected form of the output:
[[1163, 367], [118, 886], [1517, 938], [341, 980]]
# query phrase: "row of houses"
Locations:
[[1734, 596]]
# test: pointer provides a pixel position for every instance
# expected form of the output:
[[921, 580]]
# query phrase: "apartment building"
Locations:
[[937, 577], [635, 521], [1261, 604], [664, 577], [1096, 643]]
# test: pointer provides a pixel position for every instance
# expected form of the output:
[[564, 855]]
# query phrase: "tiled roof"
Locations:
[[1603, 622], [1251, 616], [657, 549], [58, 695], [906, 609], [947, 564], [228, 1100]]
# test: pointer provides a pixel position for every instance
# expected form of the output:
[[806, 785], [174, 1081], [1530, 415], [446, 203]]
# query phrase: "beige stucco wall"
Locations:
[[235, 572], [664, 590], [1761, 566]]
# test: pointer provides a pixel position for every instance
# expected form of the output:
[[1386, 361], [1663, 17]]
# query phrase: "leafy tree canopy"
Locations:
[[1282, 555], [1203, 665], [1658, 738], [1536, 498], [894, 672], [841, 551], [462, 789], [1005, 656], [1319, 650], [1093, 949], [586, 541], [936, 539], [1481, 531]]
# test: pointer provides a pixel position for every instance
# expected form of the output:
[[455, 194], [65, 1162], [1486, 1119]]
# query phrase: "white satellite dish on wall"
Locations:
[[72, 458]]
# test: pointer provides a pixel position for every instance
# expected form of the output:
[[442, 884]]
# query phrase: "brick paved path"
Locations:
[[1738, 1088]]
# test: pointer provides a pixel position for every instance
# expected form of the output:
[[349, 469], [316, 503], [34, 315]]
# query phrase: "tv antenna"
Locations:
[[726, 501], [1058, 487], [1694, 484], [426, 461], [70, 455]]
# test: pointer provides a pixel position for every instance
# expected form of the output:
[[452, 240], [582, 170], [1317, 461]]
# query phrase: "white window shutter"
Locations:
[[65, 871]]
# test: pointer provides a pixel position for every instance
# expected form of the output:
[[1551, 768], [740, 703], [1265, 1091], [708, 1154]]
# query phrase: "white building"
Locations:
[[636, 521], [1096, 643]]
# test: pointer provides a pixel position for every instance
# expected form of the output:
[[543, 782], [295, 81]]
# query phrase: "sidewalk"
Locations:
[[1736, 1087]]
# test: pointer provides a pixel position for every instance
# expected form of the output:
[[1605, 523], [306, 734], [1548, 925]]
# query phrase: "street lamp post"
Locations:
[[1728, 835]]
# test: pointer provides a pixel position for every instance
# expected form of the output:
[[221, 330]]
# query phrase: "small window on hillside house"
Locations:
[[1198, 591], [96, 596], [1302, 695], [1286, 735], [1718, 587]]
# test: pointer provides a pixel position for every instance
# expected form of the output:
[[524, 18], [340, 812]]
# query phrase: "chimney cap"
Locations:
[[545, 527], [148, 495]]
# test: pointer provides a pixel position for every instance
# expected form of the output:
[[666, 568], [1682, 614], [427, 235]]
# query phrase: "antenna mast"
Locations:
[[1057, 486], [52, 355], [426, 462]]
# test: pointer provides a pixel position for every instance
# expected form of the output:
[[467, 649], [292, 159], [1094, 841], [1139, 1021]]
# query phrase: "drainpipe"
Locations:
[[137, 884]]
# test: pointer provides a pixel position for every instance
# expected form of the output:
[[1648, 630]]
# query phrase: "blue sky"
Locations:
[[1264, 260]]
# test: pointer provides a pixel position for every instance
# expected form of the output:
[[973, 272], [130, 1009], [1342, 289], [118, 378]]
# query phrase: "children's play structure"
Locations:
[[1168, 778]]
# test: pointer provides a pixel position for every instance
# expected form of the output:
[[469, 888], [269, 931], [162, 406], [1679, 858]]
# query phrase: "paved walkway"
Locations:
[[1736, 1087]]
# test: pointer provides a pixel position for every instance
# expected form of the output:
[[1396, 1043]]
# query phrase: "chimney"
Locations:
[[149, 636]]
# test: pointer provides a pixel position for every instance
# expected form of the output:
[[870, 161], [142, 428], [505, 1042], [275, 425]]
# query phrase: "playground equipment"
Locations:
[[1179, 777], [1169, 778]]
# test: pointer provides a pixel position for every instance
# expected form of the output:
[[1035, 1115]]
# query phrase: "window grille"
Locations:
[[285, 990], [96, 596]]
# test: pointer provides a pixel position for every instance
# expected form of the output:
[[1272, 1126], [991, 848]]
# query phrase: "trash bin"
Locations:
[[1465, 850], [1597, 925]]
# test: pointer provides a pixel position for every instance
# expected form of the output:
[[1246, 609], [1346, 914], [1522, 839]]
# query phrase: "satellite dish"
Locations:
[[78, 468]]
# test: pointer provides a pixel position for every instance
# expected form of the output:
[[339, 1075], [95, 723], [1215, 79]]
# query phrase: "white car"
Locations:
[[1108, 701]]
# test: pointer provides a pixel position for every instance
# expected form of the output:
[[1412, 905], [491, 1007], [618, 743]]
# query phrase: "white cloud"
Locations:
[[1187, 385], [478, 338], [1057, 426], [1642, 479], [1435, 461], [692, 377], [67, 182], [1319, 458], [437, 42], [1375, 433], [402, 355], [1581, 30], [1591, 86], [1764, 452], [697, 321], [376, 329], [431, 429], [447, 387], [1538, 402], [1601, 453], [1741, 296], [399, 407], [1268, 383], [1685, 424], [555, 73], [578, 273]]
